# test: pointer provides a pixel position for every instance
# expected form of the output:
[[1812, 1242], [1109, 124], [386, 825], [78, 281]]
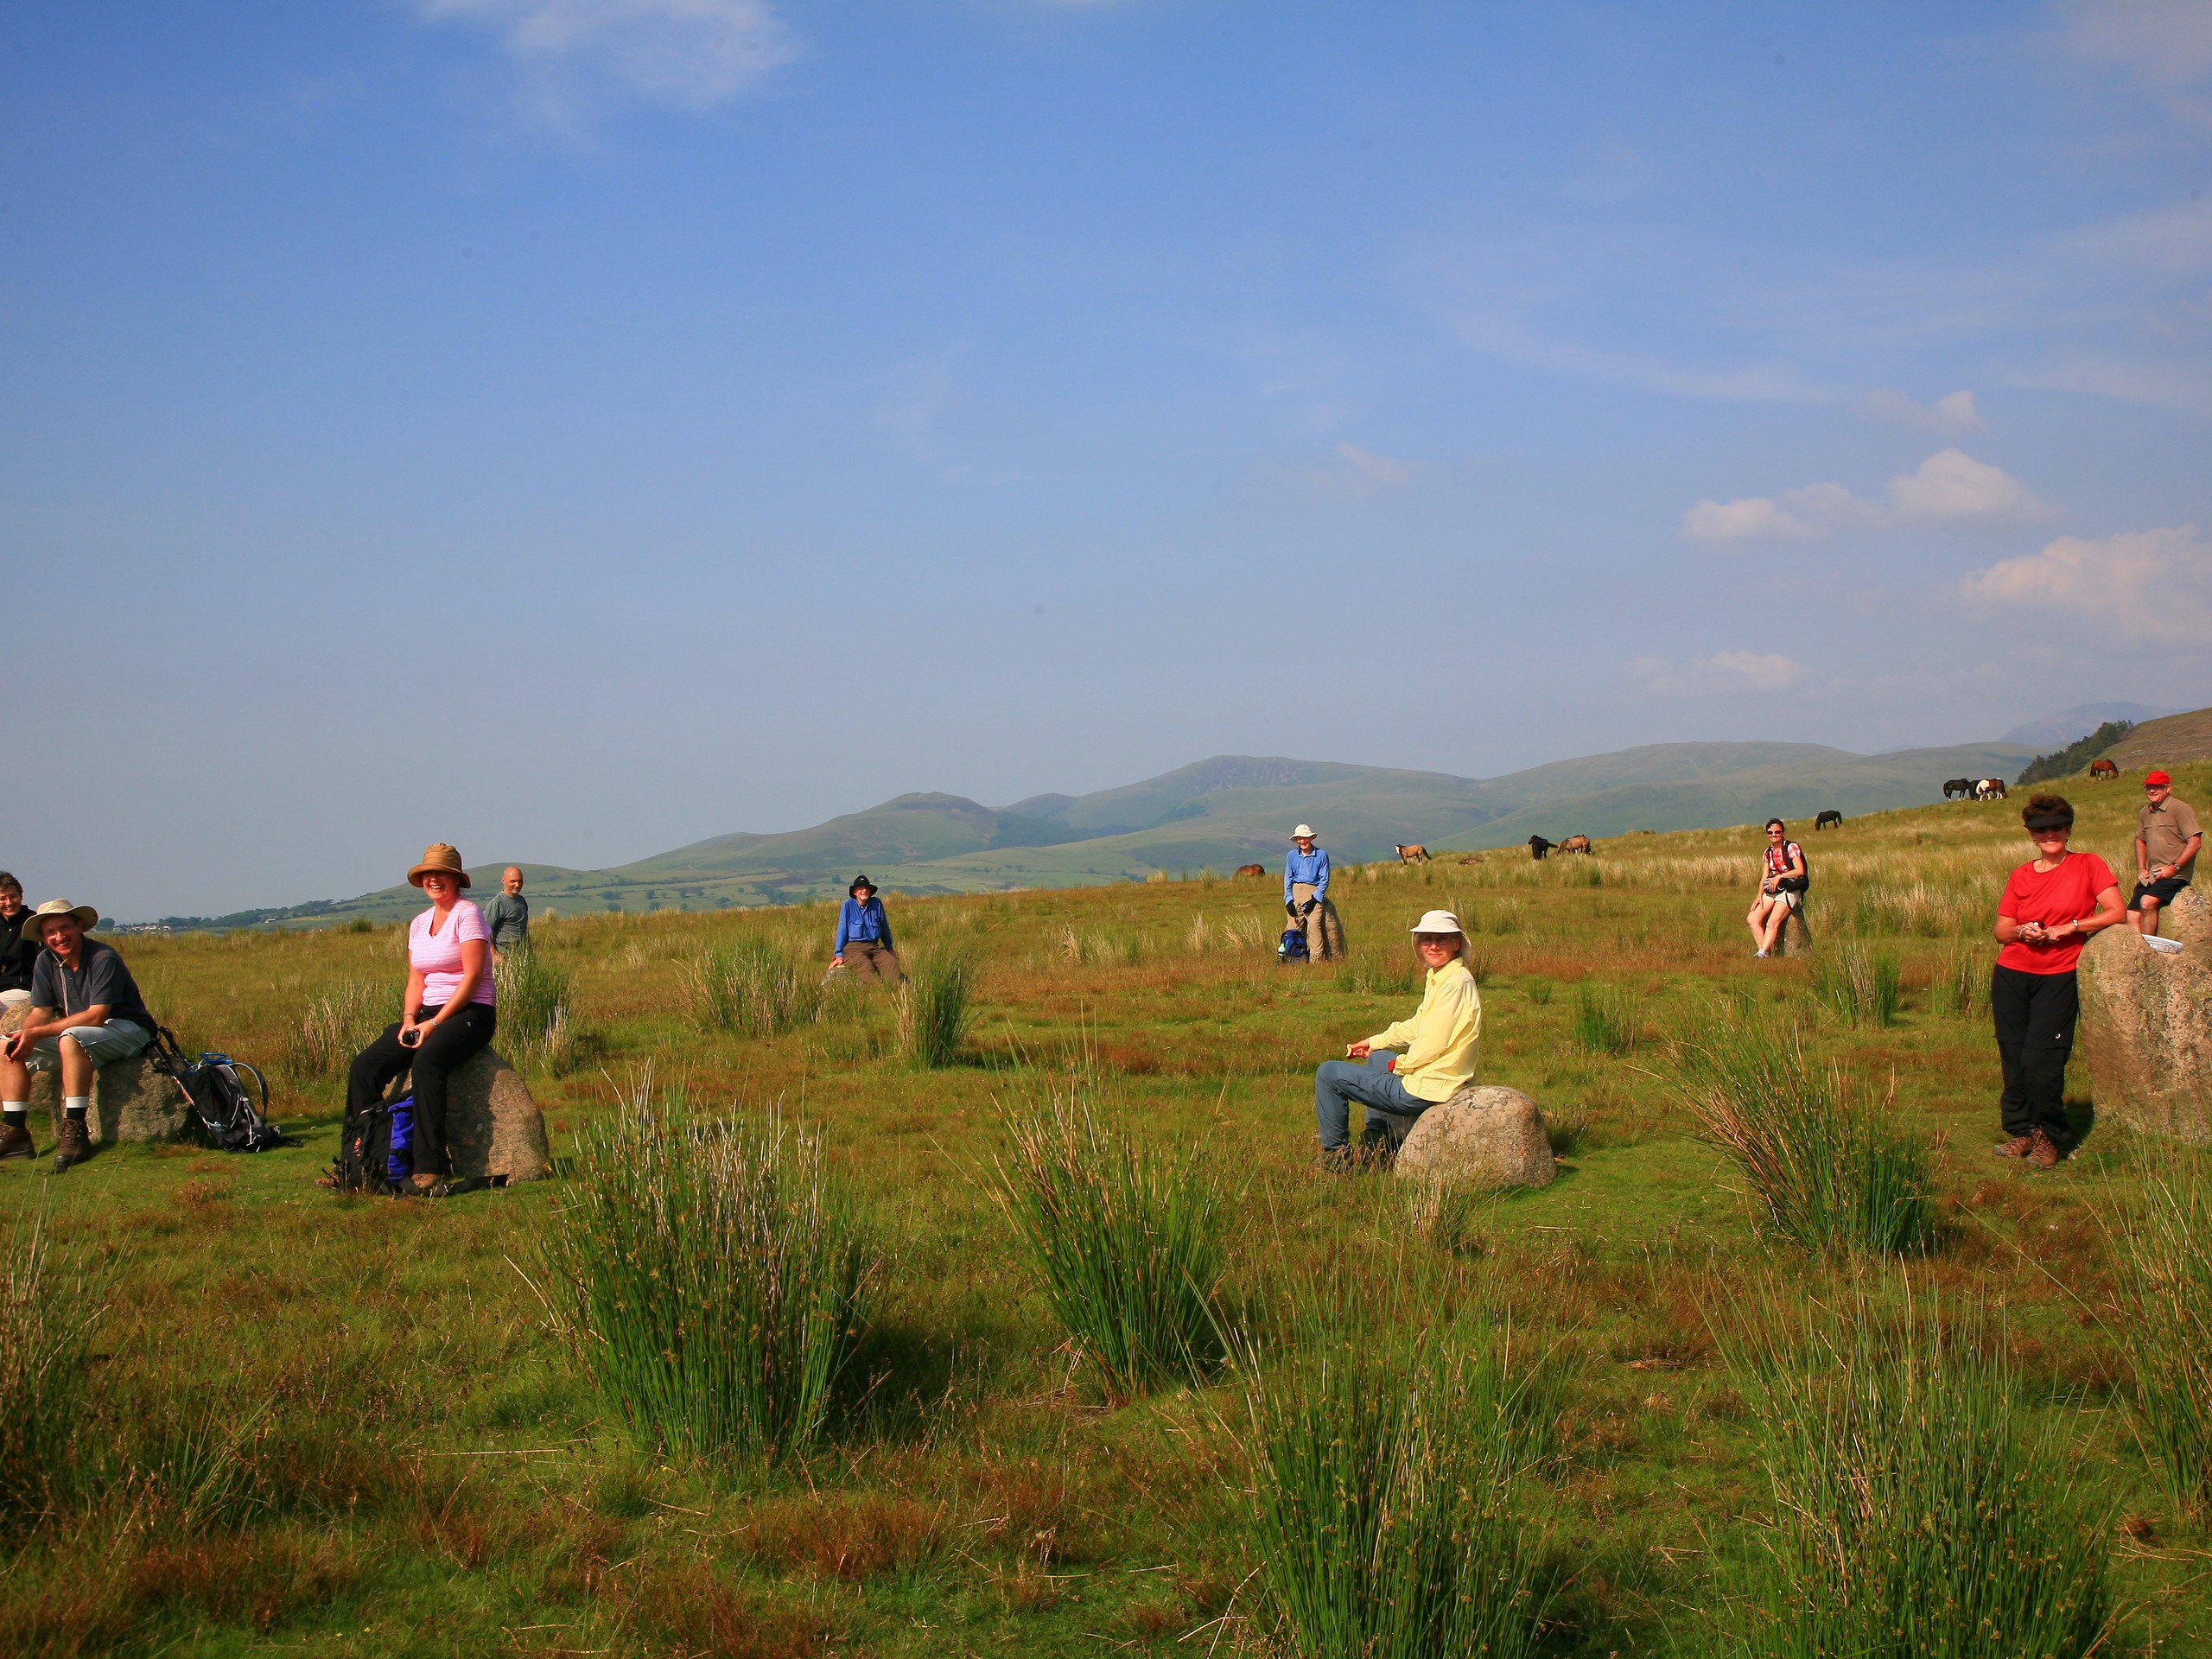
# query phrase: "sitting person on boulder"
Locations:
[[86, 1013], [1434, 1056], [863, 939], [18, 954], [1782, 885], [2048, 908], [2167, 839], [448, 1014]]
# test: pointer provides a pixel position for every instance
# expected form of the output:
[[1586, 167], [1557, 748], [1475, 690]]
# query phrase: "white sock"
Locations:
[[76, 1105], [16, 1107]]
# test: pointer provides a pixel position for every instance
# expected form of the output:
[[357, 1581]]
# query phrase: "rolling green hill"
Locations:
[[1229, 810]]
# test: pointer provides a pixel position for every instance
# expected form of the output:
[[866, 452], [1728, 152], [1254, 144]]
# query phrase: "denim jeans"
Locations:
[[1338, 1083]]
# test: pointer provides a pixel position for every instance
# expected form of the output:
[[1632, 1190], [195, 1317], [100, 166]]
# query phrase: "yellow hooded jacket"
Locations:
[[1440, 1041]]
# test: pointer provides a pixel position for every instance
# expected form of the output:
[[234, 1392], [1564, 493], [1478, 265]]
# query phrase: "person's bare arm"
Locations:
[[2189, 851], [2008, 930], [2109, 911], [413, 1001], [2142, 858]]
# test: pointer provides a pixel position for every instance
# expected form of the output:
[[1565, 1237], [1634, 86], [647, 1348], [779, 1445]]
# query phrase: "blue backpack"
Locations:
[[1291, 946]]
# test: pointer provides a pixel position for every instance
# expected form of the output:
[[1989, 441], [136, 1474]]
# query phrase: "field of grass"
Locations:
[[315, 1424]]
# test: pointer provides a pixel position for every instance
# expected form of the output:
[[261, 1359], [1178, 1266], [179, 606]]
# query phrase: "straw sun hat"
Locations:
[[1304, 832], [87, 918], [438, 859]]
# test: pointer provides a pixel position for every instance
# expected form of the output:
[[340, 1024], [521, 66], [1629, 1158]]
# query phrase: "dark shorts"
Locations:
[[2162, 891]]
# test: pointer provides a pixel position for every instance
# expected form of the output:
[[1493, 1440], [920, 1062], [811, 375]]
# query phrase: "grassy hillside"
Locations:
[[347, 1427], [2166, 742]]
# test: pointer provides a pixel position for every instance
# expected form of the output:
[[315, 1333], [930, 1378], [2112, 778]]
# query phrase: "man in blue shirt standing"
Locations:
[[863, 941], [1306, 894]]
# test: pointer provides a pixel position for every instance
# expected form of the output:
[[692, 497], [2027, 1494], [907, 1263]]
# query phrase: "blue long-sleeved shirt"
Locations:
[[857, 922], [1312, 867]]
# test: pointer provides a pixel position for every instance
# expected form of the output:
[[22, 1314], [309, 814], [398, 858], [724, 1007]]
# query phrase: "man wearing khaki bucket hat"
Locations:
[[84, 1012]]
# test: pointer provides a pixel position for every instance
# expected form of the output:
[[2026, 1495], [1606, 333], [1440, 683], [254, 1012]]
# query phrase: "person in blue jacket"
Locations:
[[863, 941], [1306, 894]]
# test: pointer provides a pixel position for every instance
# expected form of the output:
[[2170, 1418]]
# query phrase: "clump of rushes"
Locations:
[[1919, 1512], [537, 1009], [1862, 988], [753, 986], [1960, 984], [1128, 1242], [706, 1279], [48, 1308], [1385, 1454], [935, 1006], [1604, 1020], [1824, 1168], [339, 1023], [2164, 1251]]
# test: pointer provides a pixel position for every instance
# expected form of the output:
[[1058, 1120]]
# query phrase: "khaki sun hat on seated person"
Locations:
[[1304, 832], [438, 859], [86, 917], [1437, 921]]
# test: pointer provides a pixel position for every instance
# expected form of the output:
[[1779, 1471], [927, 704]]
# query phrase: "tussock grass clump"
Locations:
[[1384, 1457], [1379, 973], [49, 1306], [2164, 1243], [1605, 1019], [1128, 1242], [755, 986], [1920, 1512], [1935, 910], [935, 1005], [1959, 986], [1823, 1168], [536, 1009], [339, 1023], [1861, 988], [706, 1279]]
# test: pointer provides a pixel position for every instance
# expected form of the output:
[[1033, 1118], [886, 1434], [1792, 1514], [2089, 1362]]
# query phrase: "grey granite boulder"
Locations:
[[130, 1102], [2146, 1024], [493, 1128], [1482, 1136]]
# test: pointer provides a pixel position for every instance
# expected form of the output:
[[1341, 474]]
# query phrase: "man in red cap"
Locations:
[[2166, 840]]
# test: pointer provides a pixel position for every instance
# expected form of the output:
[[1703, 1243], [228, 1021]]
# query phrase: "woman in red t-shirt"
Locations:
[[2049, 907]]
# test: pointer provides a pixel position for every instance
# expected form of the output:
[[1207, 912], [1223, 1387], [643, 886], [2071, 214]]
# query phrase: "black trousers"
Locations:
[[440, 1053], [2035, 1016]]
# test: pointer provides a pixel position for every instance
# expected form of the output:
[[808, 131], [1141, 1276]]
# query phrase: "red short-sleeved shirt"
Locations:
[[2068, 893]]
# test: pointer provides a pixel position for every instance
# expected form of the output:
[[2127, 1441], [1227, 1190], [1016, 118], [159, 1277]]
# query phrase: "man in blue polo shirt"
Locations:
[[863, 941], [1306, 891]]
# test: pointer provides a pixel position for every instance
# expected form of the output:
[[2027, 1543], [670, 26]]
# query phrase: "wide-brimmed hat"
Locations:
[[438, 859], [1304, 832], [860, 882], [2152, 778], [1437, 921], [85, 915]]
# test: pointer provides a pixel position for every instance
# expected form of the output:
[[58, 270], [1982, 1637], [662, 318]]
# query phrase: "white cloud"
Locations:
[[2153, 584], [1722, 672], [684, 55], [1378, 470], [1955, 413], [1950, 487]]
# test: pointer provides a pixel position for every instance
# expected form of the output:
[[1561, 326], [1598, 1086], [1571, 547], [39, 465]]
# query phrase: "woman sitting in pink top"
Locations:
[[447, 1012]]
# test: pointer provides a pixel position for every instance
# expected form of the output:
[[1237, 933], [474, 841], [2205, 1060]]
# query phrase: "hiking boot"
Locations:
[[2018, 1147], [71, 1145], [15, 1141], [2043, 1152], [1335, 1160]]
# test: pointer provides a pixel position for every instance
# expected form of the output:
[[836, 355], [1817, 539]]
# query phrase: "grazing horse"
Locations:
[[1989, 788], [1830, 817], [1576, 844], [1959, 789], [1538, 847], [1411, 852], [2100, 770], [1251, 870]]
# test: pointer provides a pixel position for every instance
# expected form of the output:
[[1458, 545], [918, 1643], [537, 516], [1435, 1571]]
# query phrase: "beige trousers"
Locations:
[[1324, 932], [867, 959]]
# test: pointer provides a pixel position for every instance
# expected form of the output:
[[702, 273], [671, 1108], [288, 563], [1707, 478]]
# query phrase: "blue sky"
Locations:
[[574, 428]]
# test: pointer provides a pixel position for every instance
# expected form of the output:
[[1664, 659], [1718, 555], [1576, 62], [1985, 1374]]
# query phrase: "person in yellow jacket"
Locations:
[[1414, 1065]]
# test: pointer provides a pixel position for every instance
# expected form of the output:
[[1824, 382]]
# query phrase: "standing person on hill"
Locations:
[[1433, 1058], [2167, 838], [1783, 881], [18, 955], [863, 940], [86, 1013], [1305, 891], [2049, 907], [508, 914], [448, 1013]]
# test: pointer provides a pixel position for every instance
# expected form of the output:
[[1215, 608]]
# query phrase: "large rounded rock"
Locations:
[[1488, 1137], [1795, 938], [2146, 1024], [130, 1102], [493, 1128]]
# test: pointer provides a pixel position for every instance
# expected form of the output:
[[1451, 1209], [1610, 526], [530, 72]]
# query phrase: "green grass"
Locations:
[[50, 1306], [2165, 1250], [937, 1003], [436, 1472]]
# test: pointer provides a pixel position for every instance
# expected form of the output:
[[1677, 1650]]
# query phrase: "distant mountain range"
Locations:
[[1235, 810]]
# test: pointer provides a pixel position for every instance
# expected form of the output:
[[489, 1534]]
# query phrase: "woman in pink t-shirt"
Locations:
[[2051, 905], [446, 1017]]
